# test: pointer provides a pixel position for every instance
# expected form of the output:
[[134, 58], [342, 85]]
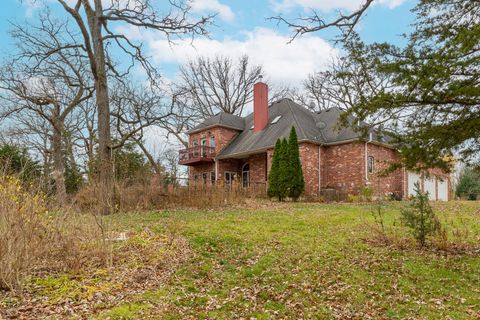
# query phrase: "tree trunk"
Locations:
[[156, 167], [103, 111], [58, 165]]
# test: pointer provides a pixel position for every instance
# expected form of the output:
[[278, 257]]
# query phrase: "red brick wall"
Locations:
[[343, 167], [309, 158], [383, 158], [200, 168], [223, 136], [258, 168], [232, 165]]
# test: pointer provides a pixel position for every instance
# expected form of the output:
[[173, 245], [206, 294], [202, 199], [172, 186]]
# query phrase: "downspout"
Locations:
[[366, 156], [319, 173]]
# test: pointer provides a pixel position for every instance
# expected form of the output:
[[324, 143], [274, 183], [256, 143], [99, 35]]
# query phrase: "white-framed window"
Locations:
[[212, 141], [246, 175], [230, 176], [195, 149], [370, 164]]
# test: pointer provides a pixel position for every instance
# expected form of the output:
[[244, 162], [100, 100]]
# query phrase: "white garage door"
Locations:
[[412, 179], [442, 190], [429, 186]]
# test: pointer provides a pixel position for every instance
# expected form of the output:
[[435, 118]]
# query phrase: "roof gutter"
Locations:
[[264, 149], [241, 154], [213, 126]]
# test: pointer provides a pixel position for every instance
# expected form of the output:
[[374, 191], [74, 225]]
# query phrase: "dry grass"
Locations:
[[143, 197], [34, 237]]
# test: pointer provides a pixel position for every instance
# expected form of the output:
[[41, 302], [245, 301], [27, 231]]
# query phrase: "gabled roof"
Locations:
[[221, 119], [291, 114], [319, 128]]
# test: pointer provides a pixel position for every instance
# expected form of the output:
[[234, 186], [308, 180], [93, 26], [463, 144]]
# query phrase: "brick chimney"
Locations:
[[260, 106]]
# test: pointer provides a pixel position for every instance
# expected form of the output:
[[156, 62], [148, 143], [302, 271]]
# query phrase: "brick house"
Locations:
[[231, 149]]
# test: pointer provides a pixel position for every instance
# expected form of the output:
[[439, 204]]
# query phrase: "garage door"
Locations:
[[412, 179], [429, 186], [442, 190]]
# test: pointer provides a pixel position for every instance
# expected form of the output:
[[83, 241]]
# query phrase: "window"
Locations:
[[246, 175], [370, 164], [276, 119], [203, 142], [204, 176], [212, 141], [229, 177], [195, 148], [212, 177]]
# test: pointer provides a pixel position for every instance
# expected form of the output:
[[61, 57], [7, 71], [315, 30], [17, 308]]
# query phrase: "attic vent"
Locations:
[[320, 124], [276, 119]]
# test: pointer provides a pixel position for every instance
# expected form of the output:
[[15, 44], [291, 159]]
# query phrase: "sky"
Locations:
[[243, 27]]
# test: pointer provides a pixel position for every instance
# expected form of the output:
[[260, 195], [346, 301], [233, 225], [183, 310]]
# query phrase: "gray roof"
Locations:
[[222, 119], [320, 128]]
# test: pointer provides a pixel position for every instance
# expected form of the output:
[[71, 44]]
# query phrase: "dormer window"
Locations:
[[276, 119]]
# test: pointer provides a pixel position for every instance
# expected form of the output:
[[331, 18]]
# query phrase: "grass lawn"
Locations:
[[304, 260], [308, 261]]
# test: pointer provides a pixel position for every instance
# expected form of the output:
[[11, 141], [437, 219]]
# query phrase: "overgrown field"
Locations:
[[271, 261]]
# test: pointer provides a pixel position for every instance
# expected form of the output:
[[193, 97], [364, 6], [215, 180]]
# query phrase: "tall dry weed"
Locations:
[[34, 236]]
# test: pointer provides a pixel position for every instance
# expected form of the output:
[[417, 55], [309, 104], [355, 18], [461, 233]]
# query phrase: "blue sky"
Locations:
[[242, 28]]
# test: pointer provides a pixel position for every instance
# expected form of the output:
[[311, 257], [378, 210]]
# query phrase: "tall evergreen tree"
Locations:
[[294, 174], [273, 176]]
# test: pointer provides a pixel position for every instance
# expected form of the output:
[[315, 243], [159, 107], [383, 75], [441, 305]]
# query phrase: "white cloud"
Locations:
[[224, 11], [328, 5], [282, 62]]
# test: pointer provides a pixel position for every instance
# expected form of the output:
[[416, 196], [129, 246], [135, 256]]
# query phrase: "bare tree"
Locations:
[[136, 109], [212, 85], [315, 22], [94, 19], [219, 84], [46, 81]]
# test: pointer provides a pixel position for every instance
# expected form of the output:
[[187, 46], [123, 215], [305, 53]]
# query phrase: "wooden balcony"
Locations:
[[196, 155]]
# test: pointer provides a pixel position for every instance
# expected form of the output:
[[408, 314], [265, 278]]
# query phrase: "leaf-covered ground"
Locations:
[[285, 261]]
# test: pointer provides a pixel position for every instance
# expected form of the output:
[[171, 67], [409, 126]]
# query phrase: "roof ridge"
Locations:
[[296, 120]]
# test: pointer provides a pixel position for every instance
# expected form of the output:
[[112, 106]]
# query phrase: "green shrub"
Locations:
[[468, 184], [419, 217]]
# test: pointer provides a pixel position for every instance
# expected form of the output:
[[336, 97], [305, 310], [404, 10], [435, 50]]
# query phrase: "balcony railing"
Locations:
[[196, 154]]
